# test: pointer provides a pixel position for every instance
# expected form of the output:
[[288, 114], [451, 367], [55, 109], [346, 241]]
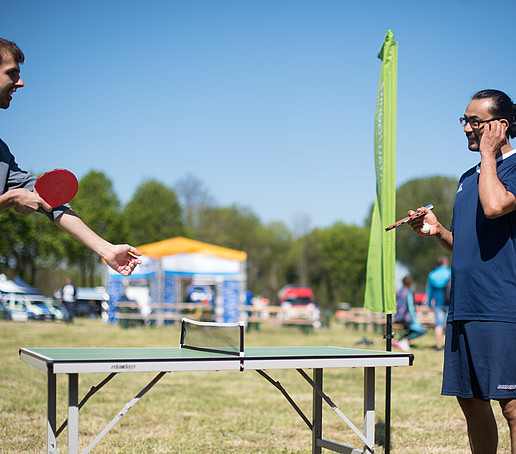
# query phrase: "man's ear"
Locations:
[[505, 122]]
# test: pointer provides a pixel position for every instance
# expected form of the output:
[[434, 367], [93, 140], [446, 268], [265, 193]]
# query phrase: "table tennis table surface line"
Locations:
[[177, 353], [68, 360]]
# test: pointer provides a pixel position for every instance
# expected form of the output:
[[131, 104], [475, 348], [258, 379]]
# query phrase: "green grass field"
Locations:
[[223, 412]]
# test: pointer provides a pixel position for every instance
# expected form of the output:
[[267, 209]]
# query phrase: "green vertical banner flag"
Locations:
[[380, 291]]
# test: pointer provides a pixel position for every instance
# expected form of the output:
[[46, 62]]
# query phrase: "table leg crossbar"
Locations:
[[91, 392], [122, 412], [368, 444], [326, 398], [277, 385]]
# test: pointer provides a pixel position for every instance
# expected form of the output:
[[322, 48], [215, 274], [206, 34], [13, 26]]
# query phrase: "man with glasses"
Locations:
[[479, 358], [16, 185]]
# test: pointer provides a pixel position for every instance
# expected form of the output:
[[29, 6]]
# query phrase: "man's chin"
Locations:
[[473, 146]]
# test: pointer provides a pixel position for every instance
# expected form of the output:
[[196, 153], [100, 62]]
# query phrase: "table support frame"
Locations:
[[316, 425]]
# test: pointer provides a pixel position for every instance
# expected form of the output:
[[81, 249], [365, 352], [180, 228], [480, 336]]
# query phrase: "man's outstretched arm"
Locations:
[[123, 258]]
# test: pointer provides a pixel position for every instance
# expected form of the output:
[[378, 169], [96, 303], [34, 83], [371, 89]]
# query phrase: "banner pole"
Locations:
[[380, 291], [388, 385]]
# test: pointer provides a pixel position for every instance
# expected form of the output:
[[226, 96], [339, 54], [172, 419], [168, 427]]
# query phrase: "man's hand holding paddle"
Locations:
[[428, 225], [24, 201], [124, 259], [52, 189]]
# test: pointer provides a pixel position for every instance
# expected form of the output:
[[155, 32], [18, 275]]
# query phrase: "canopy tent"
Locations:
[[26, 287], [168, 264], [180, 245], [8, 286]]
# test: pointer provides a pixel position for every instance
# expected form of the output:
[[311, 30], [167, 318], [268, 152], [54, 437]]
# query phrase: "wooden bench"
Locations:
[[129, 313], [356, 317], [254, 316]]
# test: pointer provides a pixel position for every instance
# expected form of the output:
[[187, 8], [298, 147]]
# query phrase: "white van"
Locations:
[[21, 307]]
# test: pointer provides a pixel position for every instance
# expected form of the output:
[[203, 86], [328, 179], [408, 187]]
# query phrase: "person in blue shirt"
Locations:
[[479, 358], [435, 286]]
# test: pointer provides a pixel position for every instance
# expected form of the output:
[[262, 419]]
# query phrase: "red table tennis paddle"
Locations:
[[416, 215], [57, 187]]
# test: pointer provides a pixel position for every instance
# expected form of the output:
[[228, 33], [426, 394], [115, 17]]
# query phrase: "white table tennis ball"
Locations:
[[425, 228]]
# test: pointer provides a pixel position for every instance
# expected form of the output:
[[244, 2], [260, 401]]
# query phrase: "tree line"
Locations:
[[332, 260]]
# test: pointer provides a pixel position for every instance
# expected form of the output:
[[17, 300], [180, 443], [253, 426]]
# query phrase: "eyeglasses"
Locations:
[[474, 123]]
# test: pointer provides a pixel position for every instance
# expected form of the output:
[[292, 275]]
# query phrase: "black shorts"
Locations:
[[480, 360]]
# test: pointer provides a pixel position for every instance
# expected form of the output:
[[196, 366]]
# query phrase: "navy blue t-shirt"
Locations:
[[484, 252]]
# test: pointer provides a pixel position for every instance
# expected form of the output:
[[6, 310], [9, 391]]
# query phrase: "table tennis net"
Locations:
[[227, 338]]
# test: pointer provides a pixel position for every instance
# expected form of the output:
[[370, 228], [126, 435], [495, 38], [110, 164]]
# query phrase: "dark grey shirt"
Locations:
[[12, 177]]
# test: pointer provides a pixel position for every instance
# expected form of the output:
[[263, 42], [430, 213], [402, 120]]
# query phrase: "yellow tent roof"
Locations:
[[180, 245]]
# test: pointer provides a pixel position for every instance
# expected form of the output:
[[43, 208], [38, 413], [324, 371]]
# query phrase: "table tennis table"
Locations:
[[75, 361]]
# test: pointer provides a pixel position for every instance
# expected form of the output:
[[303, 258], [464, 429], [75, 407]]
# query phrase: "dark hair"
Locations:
[[13, 49], [501, 107], [441, 260]]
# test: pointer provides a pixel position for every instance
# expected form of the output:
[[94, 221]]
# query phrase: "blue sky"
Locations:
[[270, 103]]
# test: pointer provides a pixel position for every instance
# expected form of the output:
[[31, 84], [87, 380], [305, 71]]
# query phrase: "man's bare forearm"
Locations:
[[72, 224], [445, 238]]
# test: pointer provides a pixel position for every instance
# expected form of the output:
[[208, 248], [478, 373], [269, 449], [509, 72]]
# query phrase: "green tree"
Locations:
[[153, 214], [343, 252], [419, 254], [194, 198], [272, 259], [18, 245], [28, 243], [236, 228], [268, 247]]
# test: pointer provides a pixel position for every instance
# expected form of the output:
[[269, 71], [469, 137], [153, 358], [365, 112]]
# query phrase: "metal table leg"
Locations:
[[51, 413], [317, 412], [369, 412], [73, 414]]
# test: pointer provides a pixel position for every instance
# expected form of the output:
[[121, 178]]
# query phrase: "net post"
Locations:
[[241, 328], [182, 340]]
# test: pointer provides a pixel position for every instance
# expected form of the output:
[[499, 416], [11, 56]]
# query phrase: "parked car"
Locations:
[[299, 303], [21, 307], [14, 309], [11, 309], [39, 307], [200, 294]]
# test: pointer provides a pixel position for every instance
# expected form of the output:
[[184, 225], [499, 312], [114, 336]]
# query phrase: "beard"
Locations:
[[5, 100], [473, 143]]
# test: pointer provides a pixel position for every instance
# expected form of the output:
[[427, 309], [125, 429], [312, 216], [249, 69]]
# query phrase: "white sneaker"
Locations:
[[396, 344], [404, 345]]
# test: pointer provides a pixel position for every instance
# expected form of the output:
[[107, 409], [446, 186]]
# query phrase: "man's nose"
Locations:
[[20, 83]]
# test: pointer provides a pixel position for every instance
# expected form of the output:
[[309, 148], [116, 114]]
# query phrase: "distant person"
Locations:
[[16, 185], [436, 298], [69, 298], [406, 315], [479, 359]]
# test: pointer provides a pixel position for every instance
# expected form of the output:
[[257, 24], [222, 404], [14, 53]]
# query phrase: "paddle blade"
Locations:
[[57, 187]]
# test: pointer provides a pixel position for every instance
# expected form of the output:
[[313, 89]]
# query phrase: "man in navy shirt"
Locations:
[[479, 358], [16, 185]]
